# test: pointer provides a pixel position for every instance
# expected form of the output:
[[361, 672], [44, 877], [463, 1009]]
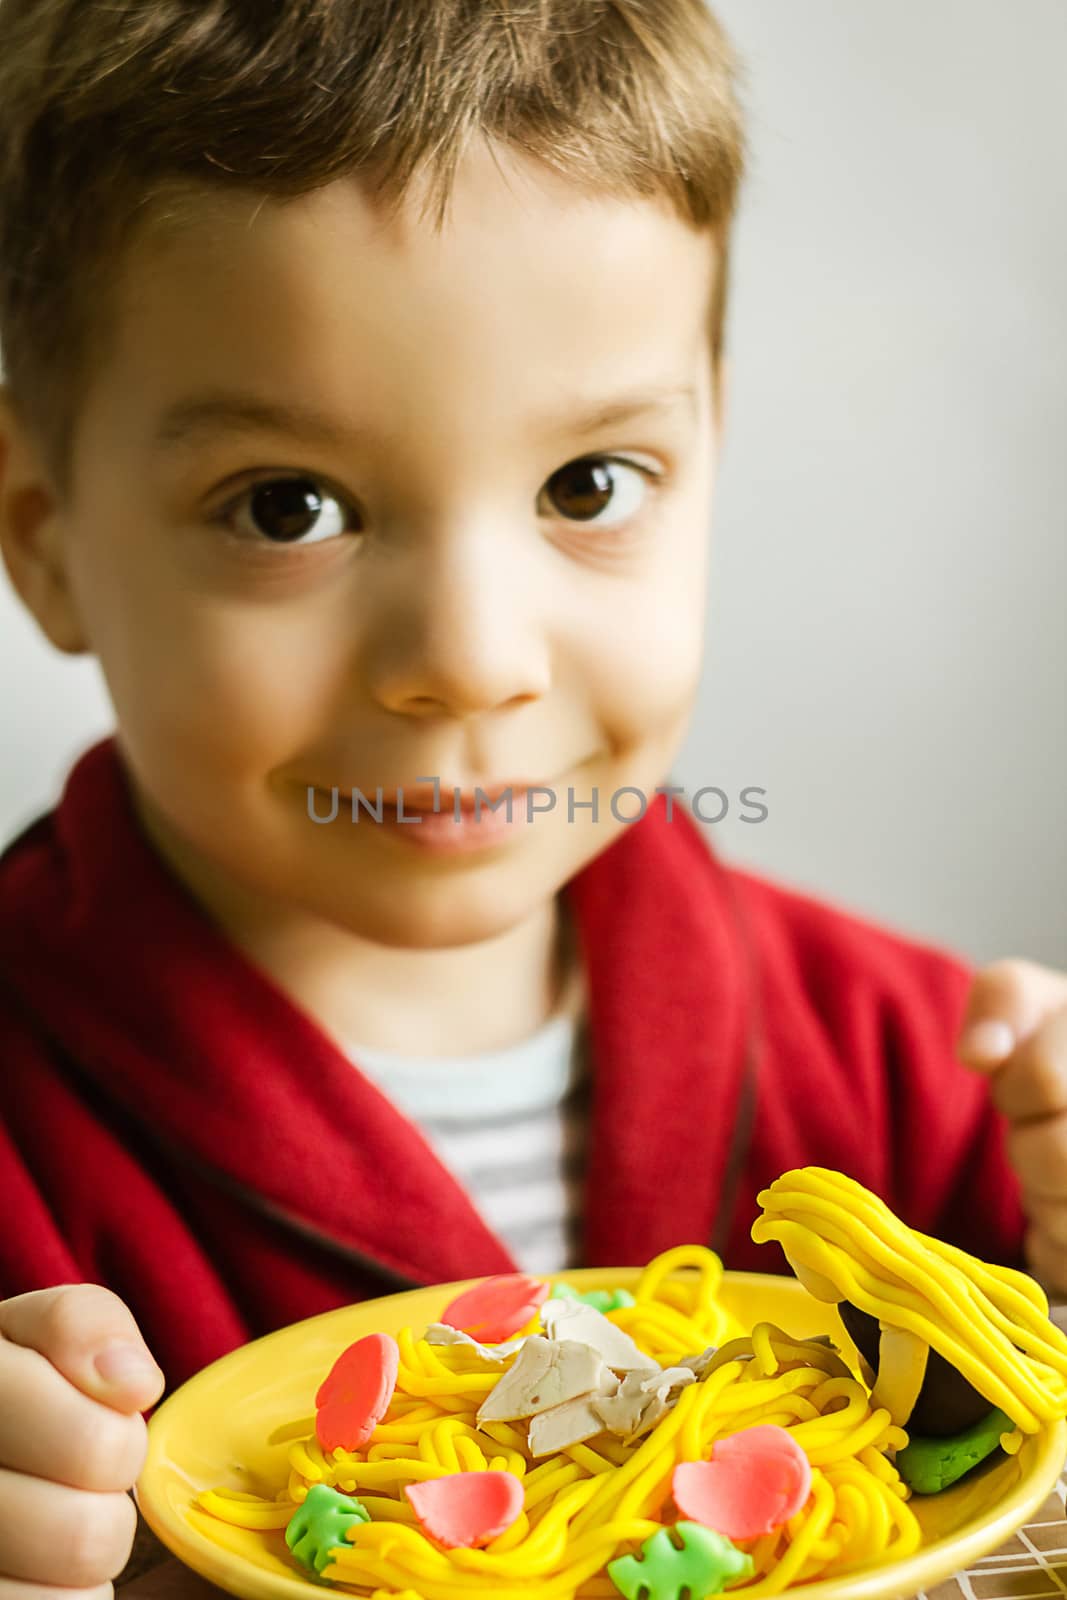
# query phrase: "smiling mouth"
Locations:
[[420, 797]]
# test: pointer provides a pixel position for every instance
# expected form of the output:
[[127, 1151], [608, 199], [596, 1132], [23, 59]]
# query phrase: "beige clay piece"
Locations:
[[546, 1373], [570, 1423], [570, 1319], [642, 1399], [441, 1333]]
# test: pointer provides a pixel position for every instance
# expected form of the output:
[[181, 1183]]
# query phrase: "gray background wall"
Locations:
[[887, 649]]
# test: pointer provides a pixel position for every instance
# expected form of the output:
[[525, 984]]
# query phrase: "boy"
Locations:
[[349, 494]]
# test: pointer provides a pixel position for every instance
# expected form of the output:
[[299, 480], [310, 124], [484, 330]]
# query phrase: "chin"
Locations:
[[450, 915]]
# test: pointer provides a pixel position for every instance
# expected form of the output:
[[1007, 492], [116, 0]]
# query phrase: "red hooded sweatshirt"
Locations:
[[175, 1127]]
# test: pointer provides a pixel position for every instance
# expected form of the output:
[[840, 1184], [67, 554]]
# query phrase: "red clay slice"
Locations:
[[756, 1480], [496, 1308], [466, 1508], [356, 1392]]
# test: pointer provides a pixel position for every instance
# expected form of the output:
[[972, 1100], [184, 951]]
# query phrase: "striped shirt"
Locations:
[[510, 1125]]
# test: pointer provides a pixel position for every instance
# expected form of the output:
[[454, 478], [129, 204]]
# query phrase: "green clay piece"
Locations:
[[704, 1565], [930, 1465], [600, 1299], [318, 1525]]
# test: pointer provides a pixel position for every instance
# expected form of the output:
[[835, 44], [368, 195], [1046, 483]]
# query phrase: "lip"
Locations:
[[419, 797], [446, 832]]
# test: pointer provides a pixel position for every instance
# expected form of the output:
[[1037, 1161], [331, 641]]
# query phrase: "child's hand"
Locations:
[[71, 1440], [1016, 1030]]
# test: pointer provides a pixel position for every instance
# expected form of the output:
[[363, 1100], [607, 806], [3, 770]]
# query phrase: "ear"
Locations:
[[32, 535], [723, 379]]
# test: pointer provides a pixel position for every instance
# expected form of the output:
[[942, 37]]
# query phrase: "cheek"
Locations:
[[198, 679], [643, 661], [253, 680]]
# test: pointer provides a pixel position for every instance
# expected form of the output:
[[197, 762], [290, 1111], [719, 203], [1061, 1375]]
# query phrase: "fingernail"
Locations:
[[988, 1040], [120, 1364]]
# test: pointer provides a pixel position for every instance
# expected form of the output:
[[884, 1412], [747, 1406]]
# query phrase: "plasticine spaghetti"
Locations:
[[989, 1322], [592, 1502]]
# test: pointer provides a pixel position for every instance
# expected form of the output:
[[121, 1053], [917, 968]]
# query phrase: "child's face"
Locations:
[[447, 611]]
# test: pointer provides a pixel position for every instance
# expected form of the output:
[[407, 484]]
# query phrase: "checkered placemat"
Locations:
[[1032, 1565]]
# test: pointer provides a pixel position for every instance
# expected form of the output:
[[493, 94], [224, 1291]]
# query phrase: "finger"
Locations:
[[1033, 1082], [1048, 1264], [1049, 1219], [14, 1589], [1038, 1152], [52, 1534], [51, 1430], [90, 1336], [1007, 1001]]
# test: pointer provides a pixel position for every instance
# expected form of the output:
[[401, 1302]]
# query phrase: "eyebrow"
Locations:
[[224, 411]]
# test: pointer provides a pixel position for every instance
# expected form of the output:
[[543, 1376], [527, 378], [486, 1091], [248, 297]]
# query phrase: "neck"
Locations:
[[471, 998]]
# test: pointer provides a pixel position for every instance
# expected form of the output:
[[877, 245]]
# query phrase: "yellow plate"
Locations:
[[212, 1432]]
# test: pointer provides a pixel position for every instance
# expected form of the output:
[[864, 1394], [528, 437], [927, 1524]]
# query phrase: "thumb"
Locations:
[[1008, 1001], [90, 1336]]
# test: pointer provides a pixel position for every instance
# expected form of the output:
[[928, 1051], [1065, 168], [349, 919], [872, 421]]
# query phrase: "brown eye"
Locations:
[[288, 511], [584, 490]]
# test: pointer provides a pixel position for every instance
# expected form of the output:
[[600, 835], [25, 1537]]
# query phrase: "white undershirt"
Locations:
[[510, 1125]]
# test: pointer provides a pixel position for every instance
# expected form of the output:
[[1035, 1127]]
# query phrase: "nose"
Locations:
[[461, 635]]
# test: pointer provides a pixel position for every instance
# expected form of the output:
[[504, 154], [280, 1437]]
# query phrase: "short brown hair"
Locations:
[[102, 106]]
